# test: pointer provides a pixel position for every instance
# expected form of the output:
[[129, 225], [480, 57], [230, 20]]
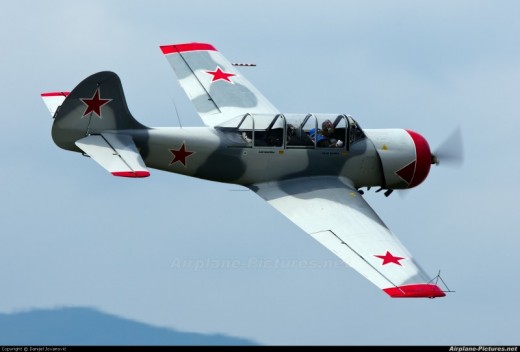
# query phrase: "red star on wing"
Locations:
[[389, 258], [219, 74], [94, 104], [180, 154]]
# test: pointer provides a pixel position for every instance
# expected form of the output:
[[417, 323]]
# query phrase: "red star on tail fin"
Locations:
[[94, 104]]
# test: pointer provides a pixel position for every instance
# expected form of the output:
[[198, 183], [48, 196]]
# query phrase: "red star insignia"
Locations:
[[180, 155], [94, 104], [389, 258], [219, 74]]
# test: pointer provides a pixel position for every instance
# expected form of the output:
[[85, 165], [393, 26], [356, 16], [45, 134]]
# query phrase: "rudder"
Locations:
[[96, 105]]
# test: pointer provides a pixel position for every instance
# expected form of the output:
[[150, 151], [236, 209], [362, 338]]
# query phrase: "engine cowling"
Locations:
[[405, 156]]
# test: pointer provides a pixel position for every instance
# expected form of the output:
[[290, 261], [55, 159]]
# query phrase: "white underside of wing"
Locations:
[[116, 153], [332, 211]]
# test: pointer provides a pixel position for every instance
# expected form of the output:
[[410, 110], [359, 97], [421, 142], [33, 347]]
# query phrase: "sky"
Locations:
[[175, 252]]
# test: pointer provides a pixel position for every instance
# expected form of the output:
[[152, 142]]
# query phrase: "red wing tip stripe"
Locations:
[[55, 94], [415, 291], [180, 48], [134, 174]]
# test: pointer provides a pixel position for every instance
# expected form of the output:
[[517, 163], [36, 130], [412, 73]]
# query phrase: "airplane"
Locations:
[[247, 141]]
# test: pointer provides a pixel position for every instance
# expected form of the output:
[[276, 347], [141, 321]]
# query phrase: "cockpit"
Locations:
[[293, 131]]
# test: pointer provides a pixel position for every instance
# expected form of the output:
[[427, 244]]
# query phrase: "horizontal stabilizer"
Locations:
[[116, 153], [54, 100]]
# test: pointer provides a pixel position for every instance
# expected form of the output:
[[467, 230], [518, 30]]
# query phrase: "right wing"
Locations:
[[218, 91], [332, 211]]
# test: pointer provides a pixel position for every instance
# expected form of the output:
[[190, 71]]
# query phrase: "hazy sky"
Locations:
[[160, 250]]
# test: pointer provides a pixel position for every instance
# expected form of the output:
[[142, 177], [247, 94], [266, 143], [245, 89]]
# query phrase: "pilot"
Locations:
[[325, 136]]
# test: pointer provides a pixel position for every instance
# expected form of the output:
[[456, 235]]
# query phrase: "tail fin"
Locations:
[[96, 105]]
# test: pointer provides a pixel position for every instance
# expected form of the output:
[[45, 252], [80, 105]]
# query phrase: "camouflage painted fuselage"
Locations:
[[213, 155], [256, 149]]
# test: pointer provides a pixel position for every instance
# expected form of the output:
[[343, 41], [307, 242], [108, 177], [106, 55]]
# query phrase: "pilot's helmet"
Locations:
[[327, 126]]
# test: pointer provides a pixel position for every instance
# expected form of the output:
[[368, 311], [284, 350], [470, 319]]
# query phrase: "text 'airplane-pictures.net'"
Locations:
[[305, 165]]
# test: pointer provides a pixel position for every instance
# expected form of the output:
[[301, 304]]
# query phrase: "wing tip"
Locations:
[[180, 48], [415, 291]]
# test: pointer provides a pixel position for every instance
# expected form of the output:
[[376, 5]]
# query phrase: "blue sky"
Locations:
[[73, 236]]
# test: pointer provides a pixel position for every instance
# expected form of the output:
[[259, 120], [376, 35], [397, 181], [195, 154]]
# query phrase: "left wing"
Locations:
[[332, 211], [216, 89]]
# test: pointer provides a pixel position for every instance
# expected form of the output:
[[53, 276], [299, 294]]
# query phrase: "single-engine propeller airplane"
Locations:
[[307, 166]]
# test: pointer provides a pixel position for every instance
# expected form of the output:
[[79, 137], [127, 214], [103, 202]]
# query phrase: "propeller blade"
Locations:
[[451, 151]]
